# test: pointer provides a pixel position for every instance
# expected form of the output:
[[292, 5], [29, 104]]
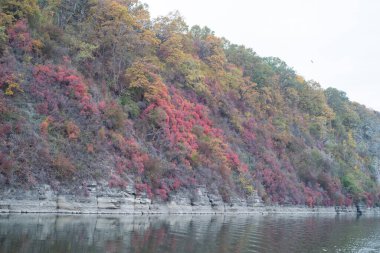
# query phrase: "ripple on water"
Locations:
[[188, 234]]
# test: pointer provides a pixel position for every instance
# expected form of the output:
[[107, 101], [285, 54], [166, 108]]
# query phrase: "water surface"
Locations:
[[185, 234]]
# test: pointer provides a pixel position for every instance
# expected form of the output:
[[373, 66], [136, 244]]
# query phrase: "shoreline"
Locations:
[[104, 200], [142, 206], [24, 207]]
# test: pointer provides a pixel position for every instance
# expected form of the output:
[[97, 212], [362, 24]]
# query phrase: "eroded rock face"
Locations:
[[101, 199]]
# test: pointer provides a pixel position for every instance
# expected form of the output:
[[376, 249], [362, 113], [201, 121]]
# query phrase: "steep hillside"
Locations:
[[95, 90]]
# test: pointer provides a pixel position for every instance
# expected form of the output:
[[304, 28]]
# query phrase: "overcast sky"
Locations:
[[334, 42]]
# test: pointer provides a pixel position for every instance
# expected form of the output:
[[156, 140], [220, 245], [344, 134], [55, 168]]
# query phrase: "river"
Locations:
[[185, 233]]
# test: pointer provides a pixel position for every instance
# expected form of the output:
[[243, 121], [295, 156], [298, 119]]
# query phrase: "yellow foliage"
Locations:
[[300, 79], [350, 140], [119, 140], [247, 184], [13, 10], [172, 50], [12, 87], [141, 76], [37, 45], [217, 58]]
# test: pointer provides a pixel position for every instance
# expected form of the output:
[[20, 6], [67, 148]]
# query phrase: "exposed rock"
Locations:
[[102, 199]]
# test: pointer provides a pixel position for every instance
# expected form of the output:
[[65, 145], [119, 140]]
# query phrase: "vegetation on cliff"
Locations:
[[97, 90]]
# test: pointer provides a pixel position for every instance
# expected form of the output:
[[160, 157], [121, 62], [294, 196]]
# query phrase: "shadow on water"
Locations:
[[182, 233]]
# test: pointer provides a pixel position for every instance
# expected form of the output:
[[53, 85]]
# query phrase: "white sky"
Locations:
[[341, 37]]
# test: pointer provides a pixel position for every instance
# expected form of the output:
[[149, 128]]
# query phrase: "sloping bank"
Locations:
[[100, 199]]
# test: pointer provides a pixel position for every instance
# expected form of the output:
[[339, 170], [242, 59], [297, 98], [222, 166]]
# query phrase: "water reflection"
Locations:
[[202, 234]]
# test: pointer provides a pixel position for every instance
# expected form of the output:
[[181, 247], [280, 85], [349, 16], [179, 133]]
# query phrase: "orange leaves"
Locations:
[[72, 130], [44, 126]]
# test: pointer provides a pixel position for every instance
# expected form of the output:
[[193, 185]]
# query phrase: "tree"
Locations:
[[144, 82], [13, 10], [166, 26], [120, 35], [345, 112]]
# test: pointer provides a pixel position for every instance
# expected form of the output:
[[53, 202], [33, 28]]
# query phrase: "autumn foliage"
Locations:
[[19, 36], [101, 92]]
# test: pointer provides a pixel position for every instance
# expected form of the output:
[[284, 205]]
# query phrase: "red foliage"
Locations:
[[249, 135], [176, 184], [102, 106], [179, 118], [48, 76], [332, 187], [144, 188], [136, 156], [233, 159], [163, 191], [369, 199], [312, 197], [19, 36], [185, 127], [117, 181], [348, 201], [130, 159]]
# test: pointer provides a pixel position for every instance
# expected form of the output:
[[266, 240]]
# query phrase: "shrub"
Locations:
[[48, 76], [90, 148], [131, 106], [182, 129], [162, 192], [117, 181], [5, 129], [44, 126], [144, 188], [102, 133], [19, 37], [12, 87], [114, 116], [72, 130], [63, 166], [153, 168], [3, 107], [5, 164]]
